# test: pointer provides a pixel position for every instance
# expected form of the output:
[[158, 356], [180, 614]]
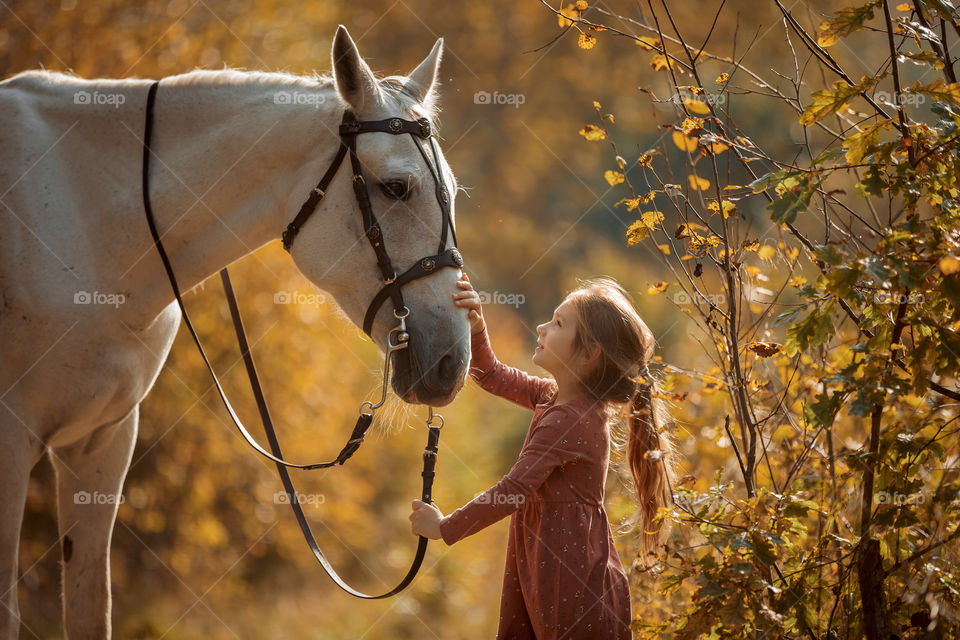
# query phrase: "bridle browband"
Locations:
[[350, 128]]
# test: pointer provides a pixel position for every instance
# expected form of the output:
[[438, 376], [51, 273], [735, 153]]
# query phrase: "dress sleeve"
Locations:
[[552, 443], [507, 382]]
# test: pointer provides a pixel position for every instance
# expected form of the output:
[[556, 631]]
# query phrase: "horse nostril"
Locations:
[[446, 369]]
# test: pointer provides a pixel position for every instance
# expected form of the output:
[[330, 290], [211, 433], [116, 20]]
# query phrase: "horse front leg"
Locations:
[[90, 477], [19, 450]]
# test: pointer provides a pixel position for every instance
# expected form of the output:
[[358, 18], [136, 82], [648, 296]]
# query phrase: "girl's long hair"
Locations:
[[621, 381]]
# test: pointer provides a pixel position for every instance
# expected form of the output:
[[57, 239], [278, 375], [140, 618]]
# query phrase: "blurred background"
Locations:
[[201, 547]]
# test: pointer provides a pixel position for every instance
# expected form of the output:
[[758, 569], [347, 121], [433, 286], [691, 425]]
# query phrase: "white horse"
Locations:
[[86, 312]]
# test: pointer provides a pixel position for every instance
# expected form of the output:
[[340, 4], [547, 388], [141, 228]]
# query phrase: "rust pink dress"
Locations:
[[563, 578]]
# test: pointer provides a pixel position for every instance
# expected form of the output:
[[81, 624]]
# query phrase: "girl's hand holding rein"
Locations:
[[425, 520]]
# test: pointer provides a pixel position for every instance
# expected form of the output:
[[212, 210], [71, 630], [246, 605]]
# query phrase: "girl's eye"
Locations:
[[395, 190]]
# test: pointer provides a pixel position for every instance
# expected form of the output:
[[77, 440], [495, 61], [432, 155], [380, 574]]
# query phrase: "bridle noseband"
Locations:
[[350, 128]]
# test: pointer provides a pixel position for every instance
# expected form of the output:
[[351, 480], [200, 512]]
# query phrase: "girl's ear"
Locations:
[[593, 353]]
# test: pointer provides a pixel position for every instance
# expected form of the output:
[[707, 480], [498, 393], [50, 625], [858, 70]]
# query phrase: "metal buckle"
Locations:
[[319, 193], [456, 256], [391, 280], [358, 179], [431, 417]]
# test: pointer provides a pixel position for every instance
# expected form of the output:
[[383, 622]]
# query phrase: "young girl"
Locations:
[[563, 578]]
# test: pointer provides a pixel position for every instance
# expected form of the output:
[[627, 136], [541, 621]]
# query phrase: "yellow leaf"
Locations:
[[718, 147], [764, 349], [939, 90], [798, 281], [657, 287], [645, 159], [683, 142], [904, 7], [565, 15], [596, 105], [651, 218], [613, 177], [648, 43], [592, 132], [729, 209], [827, 40], [632, 203], [581, 5], [858, 144], [766, 252], [648, 197], [792, 253], [659, 62], [698, 184], [665, 248], [722, 78], [828, 101], [844, 22], [752, 271], [691, 125], [949, 265], [696, 106], [586, 41], [636, 232]]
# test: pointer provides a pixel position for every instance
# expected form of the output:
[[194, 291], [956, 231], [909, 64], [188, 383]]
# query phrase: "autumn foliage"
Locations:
[[778, 184]]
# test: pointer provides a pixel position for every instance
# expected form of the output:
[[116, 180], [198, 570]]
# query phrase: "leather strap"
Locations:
[[363, 423], [316, 195], [449, 258], [419, 127]]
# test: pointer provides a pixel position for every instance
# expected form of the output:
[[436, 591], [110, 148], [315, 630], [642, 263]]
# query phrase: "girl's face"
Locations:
[[554, 350]]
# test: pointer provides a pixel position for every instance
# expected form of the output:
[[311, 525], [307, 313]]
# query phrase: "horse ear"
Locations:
[[354, 79], [422, 80]]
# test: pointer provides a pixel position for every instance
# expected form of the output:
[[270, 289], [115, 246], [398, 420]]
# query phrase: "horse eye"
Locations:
[[395, 190]]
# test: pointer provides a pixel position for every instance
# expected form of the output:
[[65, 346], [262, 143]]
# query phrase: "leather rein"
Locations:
[[350, 128]]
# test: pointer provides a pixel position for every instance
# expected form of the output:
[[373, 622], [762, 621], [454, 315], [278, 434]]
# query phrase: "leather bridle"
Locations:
[[350, 128]]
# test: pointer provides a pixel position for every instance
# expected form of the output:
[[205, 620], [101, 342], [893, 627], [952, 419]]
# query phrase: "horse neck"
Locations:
[[229, 160]]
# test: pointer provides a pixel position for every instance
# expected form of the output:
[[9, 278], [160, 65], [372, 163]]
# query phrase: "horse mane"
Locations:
[[393, 88]]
